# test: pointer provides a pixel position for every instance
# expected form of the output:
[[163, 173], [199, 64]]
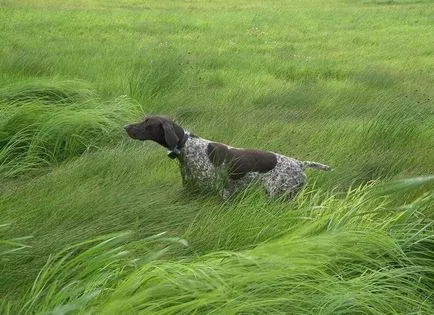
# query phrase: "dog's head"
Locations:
[[159, 129]]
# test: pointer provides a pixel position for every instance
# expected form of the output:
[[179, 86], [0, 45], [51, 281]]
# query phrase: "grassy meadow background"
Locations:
[[93, 222]]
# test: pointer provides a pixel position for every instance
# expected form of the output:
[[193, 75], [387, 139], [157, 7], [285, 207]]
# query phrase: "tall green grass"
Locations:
[[346, 83], [49, 122], [11, 245], [371, 259]]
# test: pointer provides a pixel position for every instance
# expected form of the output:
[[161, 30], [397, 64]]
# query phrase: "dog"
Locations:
[[208, 165]]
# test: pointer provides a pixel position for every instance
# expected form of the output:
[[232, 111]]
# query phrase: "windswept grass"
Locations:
[[151, 79], [104, 256], [345, 83], [330, 260], [12, 245], [49, 122]]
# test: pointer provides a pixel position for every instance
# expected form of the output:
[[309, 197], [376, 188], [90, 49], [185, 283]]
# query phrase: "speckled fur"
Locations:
[[285, 179]]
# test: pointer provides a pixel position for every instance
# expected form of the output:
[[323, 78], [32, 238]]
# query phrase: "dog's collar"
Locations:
[[177, 150]]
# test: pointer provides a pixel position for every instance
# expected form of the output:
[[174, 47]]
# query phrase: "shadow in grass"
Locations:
[[27, 63], [295, 97], [308, 72], [378, 77]]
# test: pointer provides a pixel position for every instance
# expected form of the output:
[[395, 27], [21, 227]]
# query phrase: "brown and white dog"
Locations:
[[209, 165]]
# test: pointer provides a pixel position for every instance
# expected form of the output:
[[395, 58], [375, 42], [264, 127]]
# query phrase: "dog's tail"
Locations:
[[318, 166]]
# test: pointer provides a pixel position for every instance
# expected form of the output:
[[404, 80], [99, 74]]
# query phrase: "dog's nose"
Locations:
[[126, 127]]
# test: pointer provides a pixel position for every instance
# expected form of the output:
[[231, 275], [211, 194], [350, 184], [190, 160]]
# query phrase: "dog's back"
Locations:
[[214, 165]]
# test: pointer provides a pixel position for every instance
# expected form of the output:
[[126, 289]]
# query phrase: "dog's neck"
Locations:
[[175, 152]]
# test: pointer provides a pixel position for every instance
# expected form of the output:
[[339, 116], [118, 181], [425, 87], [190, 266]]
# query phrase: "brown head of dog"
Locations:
[[159, 129]]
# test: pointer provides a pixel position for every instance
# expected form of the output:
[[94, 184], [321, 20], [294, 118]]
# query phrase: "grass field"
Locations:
[[92, 222]]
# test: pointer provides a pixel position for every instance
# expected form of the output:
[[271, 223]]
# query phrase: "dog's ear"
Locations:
[[169, 134]]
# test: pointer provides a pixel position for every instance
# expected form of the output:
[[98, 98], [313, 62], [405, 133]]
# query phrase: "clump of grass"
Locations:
[[48, 92], [85, 272], [151, 78], [340, 272], [45, 124], [393, 127], [27, 62]]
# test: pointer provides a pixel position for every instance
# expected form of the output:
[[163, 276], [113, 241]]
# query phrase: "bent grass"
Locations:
[[356, 95]]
